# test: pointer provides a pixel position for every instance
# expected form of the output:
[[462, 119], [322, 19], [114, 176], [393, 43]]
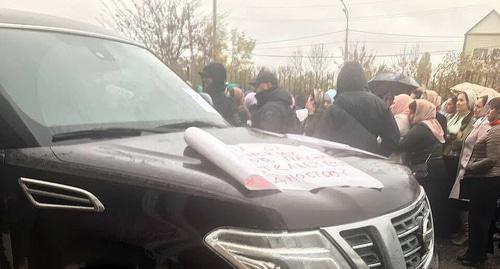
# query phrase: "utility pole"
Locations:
[[346, 12], [214, 34], [191, 49]]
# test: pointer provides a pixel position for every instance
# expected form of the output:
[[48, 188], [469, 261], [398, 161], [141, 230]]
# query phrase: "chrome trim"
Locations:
[[367, 245], [68, 31], [386, 236], [412, 252], [412, 230], [374, 264], [93, 203], [57, 195]]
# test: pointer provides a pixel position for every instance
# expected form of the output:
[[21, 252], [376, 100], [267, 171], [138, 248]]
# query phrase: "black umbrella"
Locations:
[[392, 83]]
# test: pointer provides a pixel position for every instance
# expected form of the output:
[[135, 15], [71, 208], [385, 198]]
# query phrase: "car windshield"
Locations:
[[64, 82]]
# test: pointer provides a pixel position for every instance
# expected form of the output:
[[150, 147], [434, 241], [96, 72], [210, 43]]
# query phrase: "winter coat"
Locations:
[[339, 126], [226, 107], [418, 144], [371, 112], [273, 112], [443, 122], [481, 128], [364, 107], [485, 159], [454, 141], [312, 122]]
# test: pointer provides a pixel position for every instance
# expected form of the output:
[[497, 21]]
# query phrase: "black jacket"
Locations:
[[367, 109], [273, 112], [443, 122], [311, 123], [339, 126], [226, 107], [418, 144]]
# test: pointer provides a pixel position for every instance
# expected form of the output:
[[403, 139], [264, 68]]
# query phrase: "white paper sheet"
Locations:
[[302, 114], [262, 166]]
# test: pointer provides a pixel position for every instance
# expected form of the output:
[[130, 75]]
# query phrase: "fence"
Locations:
[[304, 83], [295, 83], [442, 84]]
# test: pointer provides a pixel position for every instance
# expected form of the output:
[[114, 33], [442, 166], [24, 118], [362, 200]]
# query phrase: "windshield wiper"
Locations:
[[103, 133], [187, 124]]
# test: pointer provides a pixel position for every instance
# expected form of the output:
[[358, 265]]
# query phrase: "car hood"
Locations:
[[165, 161]]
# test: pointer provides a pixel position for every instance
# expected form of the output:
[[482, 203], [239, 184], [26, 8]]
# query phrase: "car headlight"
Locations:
[[259, 250]]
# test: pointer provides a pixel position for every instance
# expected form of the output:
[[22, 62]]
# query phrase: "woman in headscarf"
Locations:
[[479, 129], [330, 97], [449, 107], [239, 99], [435, 99], [422, 151], [431, 96], [400, 109], [483, 177], [459, 127]]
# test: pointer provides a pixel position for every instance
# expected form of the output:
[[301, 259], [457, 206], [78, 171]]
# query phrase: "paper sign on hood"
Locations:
[[263, 166]]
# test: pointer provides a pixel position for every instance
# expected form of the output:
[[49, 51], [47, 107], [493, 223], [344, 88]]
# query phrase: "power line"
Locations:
[[390, 34], [301, 37], [358, 31], [363, 42], [321, 6], [382, 16], [341, 57]]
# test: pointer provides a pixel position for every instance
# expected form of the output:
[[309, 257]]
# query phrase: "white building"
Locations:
[[483, 39]]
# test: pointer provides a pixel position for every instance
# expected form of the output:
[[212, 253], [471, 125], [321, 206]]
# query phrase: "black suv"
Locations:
[[96, 172]]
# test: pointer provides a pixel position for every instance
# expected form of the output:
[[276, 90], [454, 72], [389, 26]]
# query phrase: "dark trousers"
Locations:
[[452, 215], [484, 196]]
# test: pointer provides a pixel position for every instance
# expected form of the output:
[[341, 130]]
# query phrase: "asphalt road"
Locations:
[[448, 254]]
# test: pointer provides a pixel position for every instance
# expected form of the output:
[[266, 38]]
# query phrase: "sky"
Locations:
[[279, 27]]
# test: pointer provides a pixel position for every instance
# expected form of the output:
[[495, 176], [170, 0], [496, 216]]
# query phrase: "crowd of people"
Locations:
[[451, 147]]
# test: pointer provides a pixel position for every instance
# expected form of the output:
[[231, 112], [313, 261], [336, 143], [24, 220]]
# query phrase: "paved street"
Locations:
[[448, 254]]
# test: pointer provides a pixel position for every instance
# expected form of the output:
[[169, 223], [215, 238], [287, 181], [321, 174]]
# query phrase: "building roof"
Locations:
[[23, 19], [490, 24]]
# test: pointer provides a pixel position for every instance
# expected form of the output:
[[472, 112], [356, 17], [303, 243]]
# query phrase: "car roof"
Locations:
[[10, 18]]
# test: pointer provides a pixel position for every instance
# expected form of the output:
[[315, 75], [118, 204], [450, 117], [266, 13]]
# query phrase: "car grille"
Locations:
[[361, 241], [409, 230], [403, 239]]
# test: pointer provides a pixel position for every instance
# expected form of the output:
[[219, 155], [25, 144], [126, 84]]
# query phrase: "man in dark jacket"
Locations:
[[364, 111], [273, 112], [213, 77]]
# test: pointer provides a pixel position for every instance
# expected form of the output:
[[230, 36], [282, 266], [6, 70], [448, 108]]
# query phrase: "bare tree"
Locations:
[[296, 61], [359, 53], [241, 50], [407, 62], [318, 59], [163, 26], [424, 69]]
